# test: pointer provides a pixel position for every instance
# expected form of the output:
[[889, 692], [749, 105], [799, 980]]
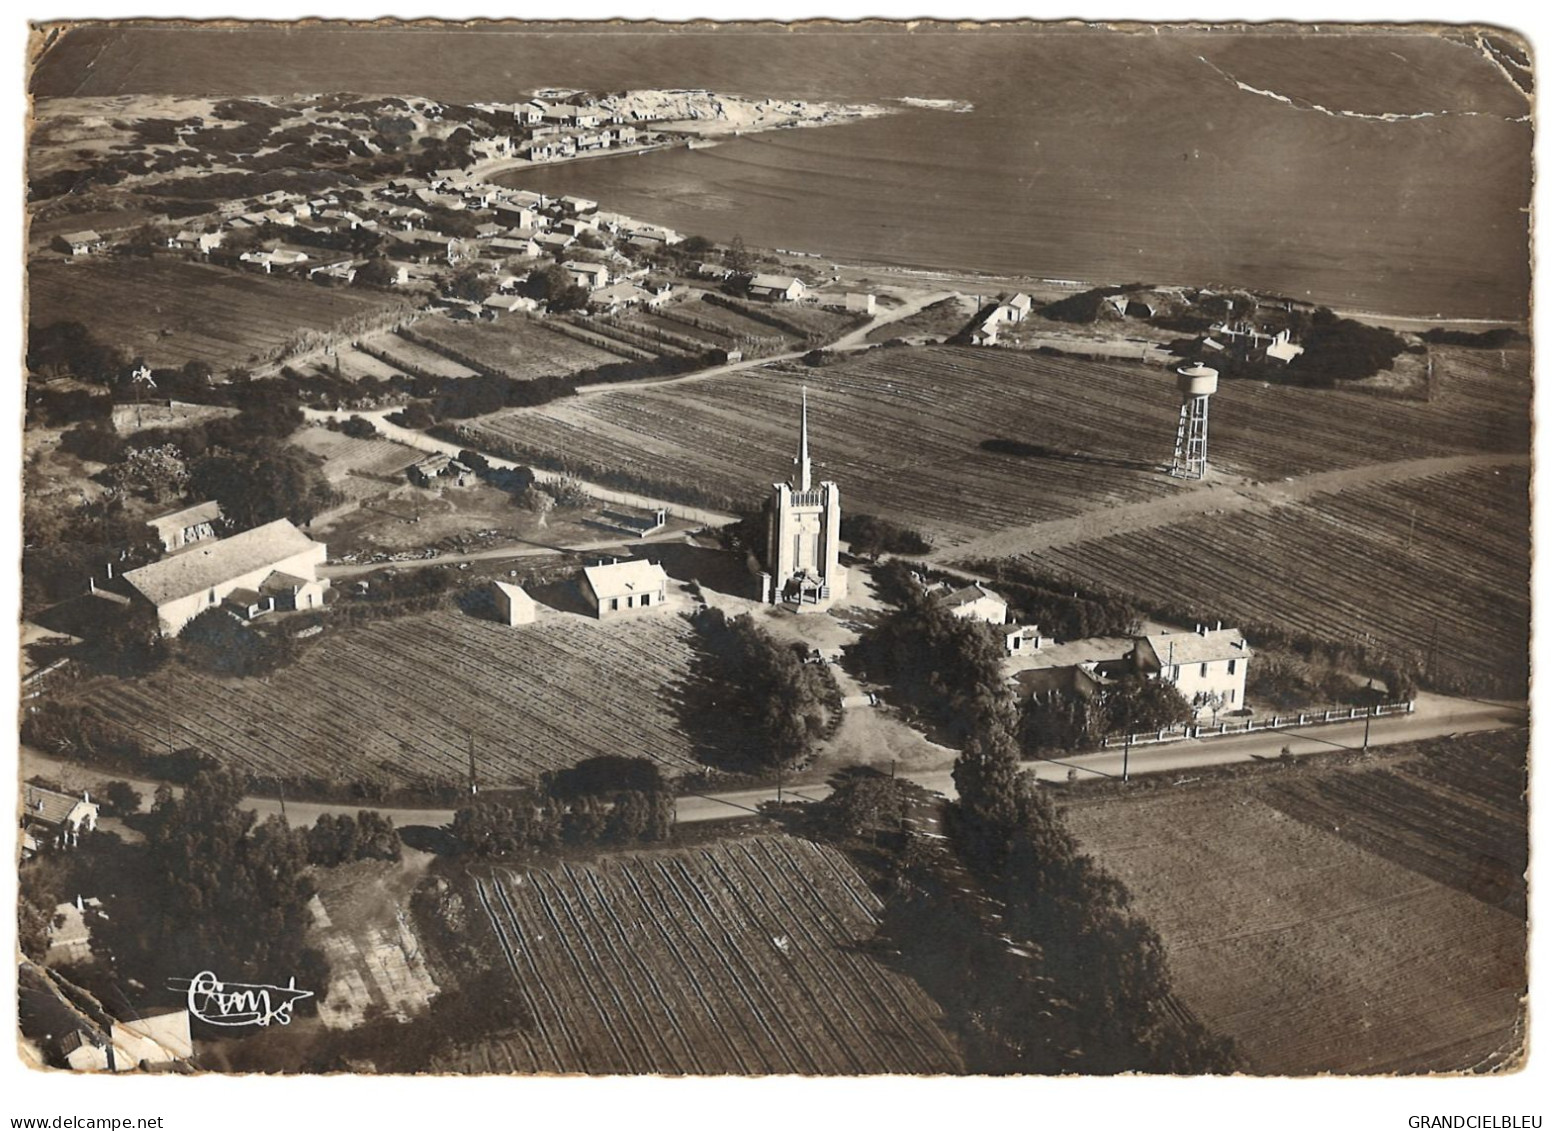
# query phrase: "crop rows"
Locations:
[[1438, 567], [400, 700], [1456, 814], [962, 442], [171, 312], [344, 454], [516, 345], [740, 958]]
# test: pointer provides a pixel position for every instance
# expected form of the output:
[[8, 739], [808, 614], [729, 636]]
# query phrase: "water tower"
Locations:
[[1197, 383]]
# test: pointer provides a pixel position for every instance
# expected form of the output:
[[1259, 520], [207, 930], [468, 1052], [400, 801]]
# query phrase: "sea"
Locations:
[[1386, 171]]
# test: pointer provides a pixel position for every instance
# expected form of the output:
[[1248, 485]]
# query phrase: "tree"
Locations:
[[376, 272], [738, 258], [120, 799], [554, 286], [268, 481], [469, 284], [230, 896]]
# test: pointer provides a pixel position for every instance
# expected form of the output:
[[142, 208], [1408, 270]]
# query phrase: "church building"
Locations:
[[803, 536]]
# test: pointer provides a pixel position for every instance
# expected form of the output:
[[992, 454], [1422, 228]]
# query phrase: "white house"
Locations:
[[616, 587], [1208, 667], [513, 605], [50, 818], [80, 243], [1282, 349], [1021, 639], [779, 288], [974, 602], [185, 585], [589, 275]]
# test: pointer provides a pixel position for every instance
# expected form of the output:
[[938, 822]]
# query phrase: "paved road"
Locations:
[[507, 551], [1436, 716]]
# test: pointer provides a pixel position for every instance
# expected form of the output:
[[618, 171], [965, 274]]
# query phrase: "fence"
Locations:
[[1250, 726]]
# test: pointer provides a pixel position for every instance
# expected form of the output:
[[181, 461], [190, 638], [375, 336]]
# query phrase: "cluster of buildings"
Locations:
[[1207, 666]]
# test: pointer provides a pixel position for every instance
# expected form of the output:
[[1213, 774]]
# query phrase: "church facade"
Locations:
[[803, 536]]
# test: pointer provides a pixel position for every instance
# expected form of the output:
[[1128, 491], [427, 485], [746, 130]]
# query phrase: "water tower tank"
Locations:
[[1197, 380]]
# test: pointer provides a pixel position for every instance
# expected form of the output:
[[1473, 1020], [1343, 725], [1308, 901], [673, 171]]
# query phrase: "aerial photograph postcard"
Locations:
[[758, 549]]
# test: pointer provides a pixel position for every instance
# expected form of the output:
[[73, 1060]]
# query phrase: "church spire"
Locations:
[[803, 445]]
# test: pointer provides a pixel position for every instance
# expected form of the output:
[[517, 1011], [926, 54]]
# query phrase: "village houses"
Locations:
[[615, 587]]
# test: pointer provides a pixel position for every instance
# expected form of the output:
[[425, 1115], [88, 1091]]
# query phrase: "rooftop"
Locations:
[[1198, 647], [49, 805], [218, 562], [188, 516], [620, 578]]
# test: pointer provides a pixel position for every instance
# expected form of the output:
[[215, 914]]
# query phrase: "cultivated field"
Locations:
[[345, 455], [518, 346], [170, 311], [1438, 566], [409, 356], [740, 958], [397, 701], [1354, 920], [959, 442]]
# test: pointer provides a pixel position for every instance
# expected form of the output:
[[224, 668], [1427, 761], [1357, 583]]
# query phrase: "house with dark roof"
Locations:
[[975, 602], [185, 585], [80, 243], [51, 819]]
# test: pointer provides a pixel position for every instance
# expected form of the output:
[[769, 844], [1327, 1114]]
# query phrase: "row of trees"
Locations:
[[611, 800]]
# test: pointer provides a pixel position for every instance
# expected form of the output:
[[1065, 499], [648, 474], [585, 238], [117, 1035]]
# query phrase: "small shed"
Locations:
[[513, 604]]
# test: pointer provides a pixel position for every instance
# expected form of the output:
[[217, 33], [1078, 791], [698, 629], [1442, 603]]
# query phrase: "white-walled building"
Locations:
[[613, 588], [803, 540], [974, 602], [513, 604], [182, 587], [186, 527], [1208, 667]]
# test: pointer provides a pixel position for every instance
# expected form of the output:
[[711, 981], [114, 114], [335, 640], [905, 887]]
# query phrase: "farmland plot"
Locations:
[[171, 311], [346, 455], [396, 350], [397, 701], [1312, 949], [518, 346], [961, 442], [1438, 566], [740, 958]]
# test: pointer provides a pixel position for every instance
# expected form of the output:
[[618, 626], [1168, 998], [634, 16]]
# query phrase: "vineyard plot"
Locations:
[[402, 702], [961, 442], [745, 957], [1317, 947], [170, 312], [1437, 567]]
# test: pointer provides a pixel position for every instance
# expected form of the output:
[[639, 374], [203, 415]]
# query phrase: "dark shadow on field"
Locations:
[[424, 838], [1021, 450]]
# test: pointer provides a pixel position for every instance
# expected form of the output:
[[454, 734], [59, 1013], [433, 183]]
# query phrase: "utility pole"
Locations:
[[281, 782], [1367, 719], [779, 783], [1126, 757], [474, 786]]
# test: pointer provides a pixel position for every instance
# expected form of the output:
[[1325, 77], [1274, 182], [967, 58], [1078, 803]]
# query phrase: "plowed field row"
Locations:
[[741, 958], [1438, 566], [398, 700], [961, 442], [516, 345], [1352, 938]]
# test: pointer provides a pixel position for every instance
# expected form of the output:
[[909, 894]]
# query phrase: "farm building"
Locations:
[[616, 295], [185, 585], [506, 304], [1208, 667], [1282, 349], [778, 288], [803, 536], [51, 819], [554, 242], [440, 469], [615, 587], [974, 602], [186, 527], [1021, 639], [80, 243], [513, 604], [202, 242], [589, 275]]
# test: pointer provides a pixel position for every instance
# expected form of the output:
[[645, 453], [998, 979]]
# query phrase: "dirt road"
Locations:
[[1204, 497]]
